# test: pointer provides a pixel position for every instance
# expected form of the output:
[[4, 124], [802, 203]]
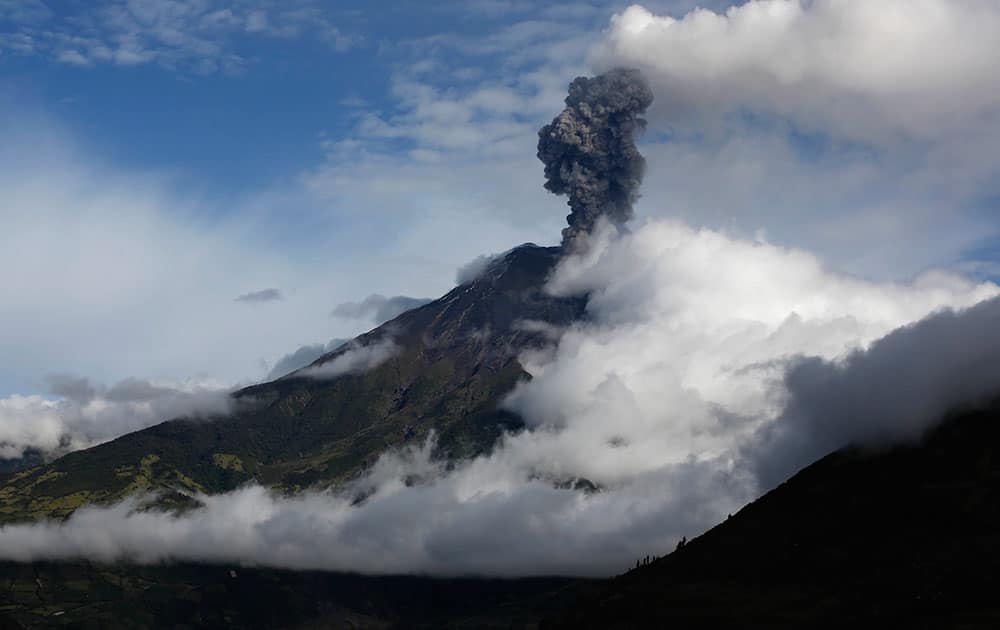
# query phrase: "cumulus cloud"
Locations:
[[377, 308], [855, 66], [264, 295], [355, 358], [702, 356], [85, 414]]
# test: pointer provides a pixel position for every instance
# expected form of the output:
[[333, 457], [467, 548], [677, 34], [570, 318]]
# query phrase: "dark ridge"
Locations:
[[902, 538]]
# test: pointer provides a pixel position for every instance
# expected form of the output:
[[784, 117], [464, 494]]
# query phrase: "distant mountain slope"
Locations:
[[908, 537], [455, 359]]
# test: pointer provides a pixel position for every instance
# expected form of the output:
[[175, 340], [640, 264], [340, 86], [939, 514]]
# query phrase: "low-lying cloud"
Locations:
[[378, 309], [302, 357], [702, 357], [355, 358], [84, 414]]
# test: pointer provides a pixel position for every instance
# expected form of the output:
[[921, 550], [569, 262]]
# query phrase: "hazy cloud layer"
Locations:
[[378, 309], [86, 414], [704, 356]]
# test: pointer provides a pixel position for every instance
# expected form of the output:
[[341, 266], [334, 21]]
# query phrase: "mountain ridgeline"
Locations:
[[453, 362]]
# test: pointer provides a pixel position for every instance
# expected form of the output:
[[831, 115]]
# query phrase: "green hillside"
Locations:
[[456, 359]]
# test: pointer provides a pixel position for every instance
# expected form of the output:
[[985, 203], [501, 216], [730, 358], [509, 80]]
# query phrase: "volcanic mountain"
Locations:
[[449, 365]]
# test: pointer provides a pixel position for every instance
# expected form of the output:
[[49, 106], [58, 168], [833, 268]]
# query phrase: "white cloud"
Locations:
[[659, 401], [55, 427], [112, 273], [857, 67], [354, 359], [864, 131], [189, 35]]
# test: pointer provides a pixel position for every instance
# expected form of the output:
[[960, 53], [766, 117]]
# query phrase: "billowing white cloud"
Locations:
[[863, 131], [646, 423], [85, 414], [854, 66]]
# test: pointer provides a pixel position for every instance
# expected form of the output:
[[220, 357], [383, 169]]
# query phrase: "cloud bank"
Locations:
[[704, 357], [86, 414]]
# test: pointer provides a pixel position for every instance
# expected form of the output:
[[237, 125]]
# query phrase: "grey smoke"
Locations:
[[264, 295], [377, 308], [589, 149], [302, 357]]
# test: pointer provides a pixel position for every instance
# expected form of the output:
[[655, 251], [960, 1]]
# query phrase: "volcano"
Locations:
[[452, 363]]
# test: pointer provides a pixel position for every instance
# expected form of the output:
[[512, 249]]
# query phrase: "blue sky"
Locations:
[[254, 107], [164, 157]]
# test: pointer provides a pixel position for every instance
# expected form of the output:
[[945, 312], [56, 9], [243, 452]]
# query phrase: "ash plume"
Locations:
[[589, 149]]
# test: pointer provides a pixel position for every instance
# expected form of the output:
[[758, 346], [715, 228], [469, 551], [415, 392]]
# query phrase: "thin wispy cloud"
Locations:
[[377, 308], [180, 35], [264, 295]]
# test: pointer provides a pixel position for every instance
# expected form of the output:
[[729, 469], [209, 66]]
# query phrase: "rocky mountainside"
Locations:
[[453, 360], [902, 538]]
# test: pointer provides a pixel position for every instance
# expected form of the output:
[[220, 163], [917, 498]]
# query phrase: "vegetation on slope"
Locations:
[[457, 357]]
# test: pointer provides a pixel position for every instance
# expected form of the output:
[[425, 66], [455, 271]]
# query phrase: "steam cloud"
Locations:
[[589, 149], [707, 366]]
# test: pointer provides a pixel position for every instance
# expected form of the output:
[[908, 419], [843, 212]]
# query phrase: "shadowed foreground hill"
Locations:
[[82, 595], [454, 360], [908, 537]]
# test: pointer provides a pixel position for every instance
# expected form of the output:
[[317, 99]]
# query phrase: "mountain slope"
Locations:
[[906, 537], [455, 359]]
